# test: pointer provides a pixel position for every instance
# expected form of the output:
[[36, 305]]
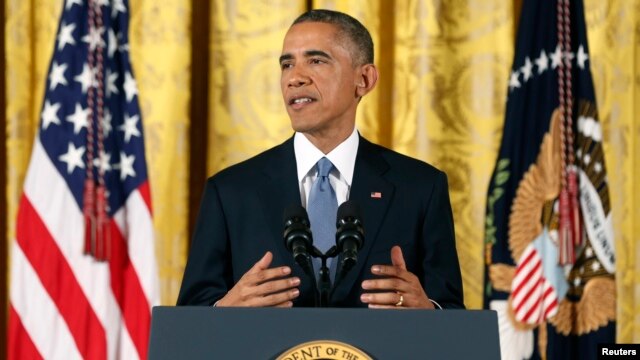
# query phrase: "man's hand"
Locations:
[[398, 288], [261, 286]]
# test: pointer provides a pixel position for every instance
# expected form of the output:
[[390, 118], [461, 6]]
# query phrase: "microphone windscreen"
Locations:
[[348, 209], [295, 211]]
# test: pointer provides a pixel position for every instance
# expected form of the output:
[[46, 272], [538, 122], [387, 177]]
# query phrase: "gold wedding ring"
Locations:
[[399, 303]]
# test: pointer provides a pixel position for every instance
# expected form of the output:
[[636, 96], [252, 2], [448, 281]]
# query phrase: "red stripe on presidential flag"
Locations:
[[60, 283], [519, 285], [535, 302], [550, 301], [534, 299]]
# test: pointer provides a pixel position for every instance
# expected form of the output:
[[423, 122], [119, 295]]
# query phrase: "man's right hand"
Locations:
[[261, 287]]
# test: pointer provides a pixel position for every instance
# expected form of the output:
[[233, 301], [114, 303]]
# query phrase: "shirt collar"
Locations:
[[343, 156]]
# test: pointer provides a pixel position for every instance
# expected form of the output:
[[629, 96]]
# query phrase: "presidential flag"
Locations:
[[550, 257], [83, 270]]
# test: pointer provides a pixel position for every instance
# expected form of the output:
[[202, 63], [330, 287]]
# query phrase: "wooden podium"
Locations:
[[267, 333]]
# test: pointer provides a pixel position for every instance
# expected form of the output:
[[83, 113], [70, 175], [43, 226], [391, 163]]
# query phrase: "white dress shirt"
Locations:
[[343, 158]]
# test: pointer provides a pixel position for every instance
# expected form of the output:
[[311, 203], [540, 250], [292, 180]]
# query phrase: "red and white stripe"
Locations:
[[533, 297], [64, 304]]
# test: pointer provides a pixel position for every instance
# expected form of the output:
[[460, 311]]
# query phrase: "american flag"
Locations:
[[75, 293]]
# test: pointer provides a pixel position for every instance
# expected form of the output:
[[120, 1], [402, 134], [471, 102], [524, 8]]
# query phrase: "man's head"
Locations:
[[326, 70], [350, 30]]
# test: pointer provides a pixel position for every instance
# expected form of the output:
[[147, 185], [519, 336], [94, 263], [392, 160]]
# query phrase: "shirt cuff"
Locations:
[[434, 303]]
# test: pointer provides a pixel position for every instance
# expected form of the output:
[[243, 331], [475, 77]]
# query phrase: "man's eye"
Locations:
[[285, 66], [316, 61]]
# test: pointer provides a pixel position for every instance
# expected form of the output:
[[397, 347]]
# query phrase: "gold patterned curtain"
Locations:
[[247, 114], [613, 28], [441, 97]]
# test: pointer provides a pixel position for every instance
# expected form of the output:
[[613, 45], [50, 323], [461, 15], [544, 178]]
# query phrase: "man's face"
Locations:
[[318, 80]]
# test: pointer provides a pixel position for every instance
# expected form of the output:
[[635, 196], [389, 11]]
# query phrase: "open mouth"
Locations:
[[300, 101]]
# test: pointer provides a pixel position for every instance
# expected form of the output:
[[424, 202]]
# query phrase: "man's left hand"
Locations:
[[397, 287]]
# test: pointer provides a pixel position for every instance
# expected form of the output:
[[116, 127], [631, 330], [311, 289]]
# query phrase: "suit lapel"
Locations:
[[373, 193], [279, 190]]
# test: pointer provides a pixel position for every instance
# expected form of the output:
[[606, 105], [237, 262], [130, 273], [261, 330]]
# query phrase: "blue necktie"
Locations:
[[322, 208]]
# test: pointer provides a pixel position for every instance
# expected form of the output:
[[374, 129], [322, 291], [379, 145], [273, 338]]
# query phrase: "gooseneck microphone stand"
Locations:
[[323, 285]]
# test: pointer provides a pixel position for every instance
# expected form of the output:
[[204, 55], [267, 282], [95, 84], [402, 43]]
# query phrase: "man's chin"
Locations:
[[300, 126]]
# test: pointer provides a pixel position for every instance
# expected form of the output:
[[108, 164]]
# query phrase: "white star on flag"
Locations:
[[70, 3], [527, 69], [94, 38], [111, 83], [126, 165], [513, 81], [80, 118], [103, 162], [56, 76], [556, 57], [50, 114], [543, 62], [86, 78], [118, 6], [73, 157], [568, 56], [106, 122], [130, 127], [582, 57], [113, 43], [66, 35], [130, 86]]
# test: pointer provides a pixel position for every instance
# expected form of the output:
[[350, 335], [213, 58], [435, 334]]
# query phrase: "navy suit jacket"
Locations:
[[241, 218]]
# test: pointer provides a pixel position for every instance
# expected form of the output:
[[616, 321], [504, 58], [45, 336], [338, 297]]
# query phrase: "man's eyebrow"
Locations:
[[284, 57], [308, 53]]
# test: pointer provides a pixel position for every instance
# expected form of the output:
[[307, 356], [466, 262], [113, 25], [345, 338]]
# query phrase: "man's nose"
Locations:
[[298, 77]]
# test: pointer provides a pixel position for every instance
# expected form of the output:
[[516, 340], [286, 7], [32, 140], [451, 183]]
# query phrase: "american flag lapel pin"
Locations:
[[376, 195]]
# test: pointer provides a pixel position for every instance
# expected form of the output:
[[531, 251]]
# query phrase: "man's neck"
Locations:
[[326, 143]]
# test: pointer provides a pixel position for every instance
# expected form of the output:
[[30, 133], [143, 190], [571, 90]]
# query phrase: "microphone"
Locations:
[[349, 235], [297, 236]]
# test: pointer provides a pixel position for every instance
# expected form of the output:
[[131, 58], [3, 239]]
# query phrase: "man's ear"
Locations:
[[367, 80]]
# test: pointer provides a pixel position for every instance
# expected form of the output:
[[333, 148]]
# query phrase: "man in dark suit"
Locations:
[[238, 256]]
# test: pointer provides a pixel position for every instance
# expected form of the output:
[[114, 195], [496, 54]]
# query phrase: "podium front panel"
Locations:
[[266, 333]]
